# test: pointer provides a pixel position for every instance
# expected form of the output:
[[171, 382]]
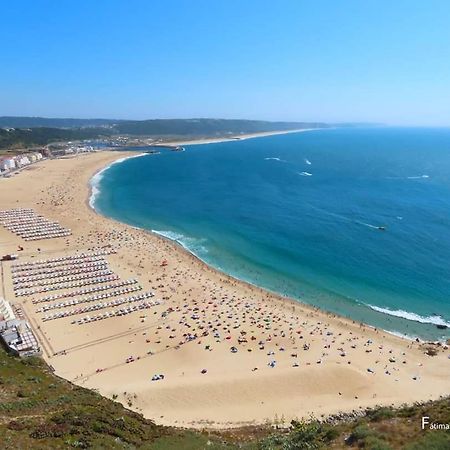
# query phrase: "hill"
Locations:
[[48, 122], [206, 127]]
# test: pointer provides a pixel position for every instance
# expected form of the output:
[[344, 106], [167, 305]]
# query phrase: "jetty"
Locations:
[[173, 148]]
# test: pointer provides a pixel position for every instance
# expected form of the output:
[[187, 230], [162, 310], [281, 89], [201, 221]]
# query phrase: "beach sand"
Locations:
[[240, 137], [332, 353]]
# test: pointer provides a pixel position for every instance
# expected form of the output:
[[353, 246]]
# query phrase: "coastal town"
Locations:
[[9, 164], [14, 160]]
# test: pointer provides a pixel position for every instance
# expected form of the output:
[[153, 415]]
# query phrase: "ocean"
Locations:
[[355, 221]]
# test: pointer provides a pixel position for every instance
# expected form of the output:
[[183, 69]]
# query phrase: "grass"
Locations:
[[41, 411]]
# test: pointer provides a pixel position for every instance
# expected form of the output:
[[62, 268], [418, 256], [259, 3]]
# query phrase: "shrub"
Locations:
[[434, 440], [360, 433], [375, 443], [379, 414], [21, 393]]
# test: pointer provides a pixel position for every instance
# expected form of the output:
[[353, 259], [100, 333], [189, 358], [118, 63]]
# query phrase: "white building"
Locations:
[[22, 160], [7, 164], [6, 312]]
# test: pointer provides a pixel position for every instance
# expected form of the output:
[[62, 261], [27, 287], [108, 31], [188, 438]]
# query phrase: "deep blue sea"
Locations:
[[299, 214]]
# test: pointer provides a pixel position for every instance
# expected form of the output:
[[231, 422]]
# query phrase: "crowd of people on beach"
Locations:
[[207, 324]]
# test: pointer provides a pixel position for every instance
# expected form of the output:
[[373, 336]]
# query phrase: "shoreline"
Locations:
[[242, 137], [186, 397], [183, 247]]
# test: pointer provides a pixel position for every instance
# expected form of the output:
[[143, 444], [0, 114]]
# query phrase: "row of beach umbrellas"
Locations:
[[116, 313], [89, 290], [97, 306], [90, 298]]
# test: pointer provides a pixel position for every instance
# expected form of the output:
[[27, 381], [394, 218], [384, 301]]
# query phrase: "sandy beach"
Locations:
[[240, 137], [321, 360]]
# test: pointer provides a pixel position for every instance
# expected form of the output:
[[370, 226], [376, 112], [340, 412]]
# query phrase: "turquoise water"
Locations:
[[299, 214]]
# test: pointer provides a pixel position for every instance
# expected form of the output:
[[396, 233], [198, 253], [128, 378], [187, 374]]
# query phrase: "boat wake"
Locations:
[[434, 319], [305, 174], [348, 219], [307, 161], [367, 225], [274, 159], [414, 177]]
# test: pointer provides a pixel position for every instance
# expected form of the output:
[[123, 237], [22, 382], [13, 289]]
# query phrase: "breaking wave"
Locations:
[[434, 319], [192, 245]]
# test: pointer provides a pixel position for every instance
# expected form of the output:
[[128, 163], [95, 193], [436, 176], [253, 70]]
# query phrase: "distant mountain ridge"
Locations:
[[204, 126], [155, 126], [35, 122]]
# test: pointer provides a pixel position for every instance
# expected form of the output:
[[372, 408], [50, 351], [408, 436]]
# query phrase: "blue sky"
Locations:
[[336, 60]]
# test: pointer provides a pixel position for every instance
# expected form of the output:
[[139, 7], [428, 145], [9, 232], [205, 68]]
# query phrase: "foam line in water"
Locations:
[[414, 177], [418, 177], [367, 224], [274, 159], [434, 319], [305, 174]]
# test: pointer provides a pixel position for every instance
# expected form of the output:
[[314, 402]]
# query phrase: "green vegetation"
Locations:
[[41, 411], [205, 127], [32, 122], [41, 131], [28, 137]]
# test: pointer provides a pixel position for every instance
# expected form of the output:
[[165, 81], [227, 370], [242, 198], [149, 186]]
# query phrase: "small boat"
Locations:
[[382, 228]]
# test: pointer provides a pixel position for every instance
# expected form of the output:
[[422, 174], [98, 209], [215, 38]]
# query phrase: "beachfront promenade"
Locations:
[[229, 352]]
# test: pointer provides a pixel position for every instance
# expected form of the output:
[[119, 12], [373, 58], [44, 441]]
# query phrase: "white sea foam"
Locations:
[[307, 161], [95, 180], [418, 177], [305, 174], [367, 224], [434, 319], [414, 177], [274, 159], [190, 244]]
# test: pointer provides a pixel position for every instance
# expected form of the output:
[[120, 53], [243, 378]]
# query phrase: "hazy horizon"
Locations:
[[295, 61]]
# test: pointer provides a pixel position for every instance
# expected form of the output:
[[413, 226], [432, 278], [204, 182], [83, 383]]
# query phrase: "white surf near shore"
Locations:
[[192, 245], [433, 319]]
